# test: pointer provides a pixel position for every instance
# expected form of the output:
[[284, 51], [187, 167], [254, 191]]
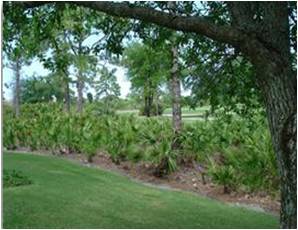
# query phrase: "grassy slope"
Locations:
[[67, 195]]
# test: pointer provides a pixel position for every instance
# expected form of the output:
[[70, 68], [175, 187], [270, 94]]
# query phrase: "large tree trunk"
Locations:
[[176, 97], [278, 86], [16, 99], [270, 55], [281, 104]]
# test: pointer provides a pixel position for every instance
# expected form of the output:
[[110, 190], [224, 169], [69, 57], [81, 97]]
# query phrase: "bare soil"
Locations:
[[189, 177]]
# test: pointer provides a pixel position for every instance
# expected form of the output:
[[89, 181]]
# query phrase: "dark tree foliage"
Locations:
[[41, 89]]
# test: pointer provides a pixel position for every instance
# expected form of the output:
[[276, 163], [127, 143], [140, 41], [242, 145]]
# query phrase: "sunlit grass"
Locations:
[[66, 195]]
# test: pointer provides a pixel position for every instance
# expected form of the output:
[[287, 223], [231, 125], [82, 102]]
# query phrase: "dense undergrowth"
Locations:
[[234, 152]]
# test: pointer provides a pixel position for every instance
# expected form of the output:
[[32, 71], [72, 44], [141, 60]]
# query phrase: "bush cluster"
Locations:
[[12, 178], [236, 153]]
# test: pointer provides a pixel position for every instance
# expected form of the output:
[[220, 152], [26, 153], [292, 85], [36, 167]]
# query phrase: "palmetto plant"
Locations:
[[245, 146]]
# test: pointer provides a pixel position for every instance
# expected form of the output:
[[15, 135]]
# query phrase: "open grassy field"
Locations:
[[187, 111], [65, 194], [188, 115]]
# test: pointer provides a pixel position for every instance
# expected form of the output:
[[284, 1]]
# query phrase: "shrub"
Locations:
[[155, 110], [245, 145], [224, 175], [12, 178]]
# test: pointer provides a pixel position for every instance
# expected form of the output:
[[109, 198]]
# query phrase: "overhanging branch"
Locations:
[[199, 25]]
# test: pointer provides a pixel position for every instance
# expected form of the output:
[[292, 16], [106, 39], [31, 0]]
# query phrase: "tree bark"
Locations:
[[80, 80], [279, 92], [277, 83], [280, 98], [17, 88], [66, 96], [80, 87], [146, 106], [176, 97]]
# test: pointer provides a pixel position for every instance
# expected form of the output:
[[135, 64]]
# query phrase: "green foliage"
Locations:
[[13, 178], [156, 110], [148, 70], [224, 175], [107, 85], [41, 89], [236, 152], [156, 136], [100, 107]]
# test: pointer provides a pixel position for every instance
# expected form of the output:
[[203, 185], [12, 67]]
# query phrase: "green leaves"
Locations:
[[107, 85], [236, 154], [41, 89]]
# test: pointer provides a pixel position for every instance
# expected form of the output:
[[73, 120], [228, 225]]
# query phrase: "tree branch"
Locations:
[[199, 25]]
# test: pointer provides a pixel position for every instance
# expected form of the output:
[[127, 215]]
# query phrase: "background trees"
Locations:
[[148, 69], [18, 48], [77, 29], [41, 89]]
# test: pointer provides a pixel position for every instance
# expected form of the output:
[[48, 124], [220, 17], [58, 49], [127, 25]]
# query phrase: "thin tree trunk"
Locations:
[[150, 97], [66, 96], [16, 100], [80, 83], [150, 104], [80, 86], [147, 106], [176, 97], [146, 109]]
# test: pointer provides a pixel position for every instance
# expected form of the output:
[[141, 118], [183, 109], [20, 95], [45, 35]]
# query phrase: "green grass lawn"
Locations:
[[188, 115], [186, 111], [66, 195]]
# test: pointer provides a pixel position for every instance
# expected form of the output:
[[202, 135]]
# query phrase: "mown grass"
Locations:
[[188, 115], [188, 111], [64, 194]]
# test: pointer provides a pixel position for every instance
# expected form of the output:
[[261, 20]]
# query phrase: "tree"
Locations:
[[16, 66], [107, 85], [59, 63], [77, 30], [148, 69], [41, 89], [261, 32], [17, 40], [176, 96], [107, 88]]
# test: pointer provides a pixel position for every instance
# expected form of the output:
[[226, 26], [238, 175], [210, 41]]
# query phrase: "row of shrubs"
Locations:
[[235, 152]]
